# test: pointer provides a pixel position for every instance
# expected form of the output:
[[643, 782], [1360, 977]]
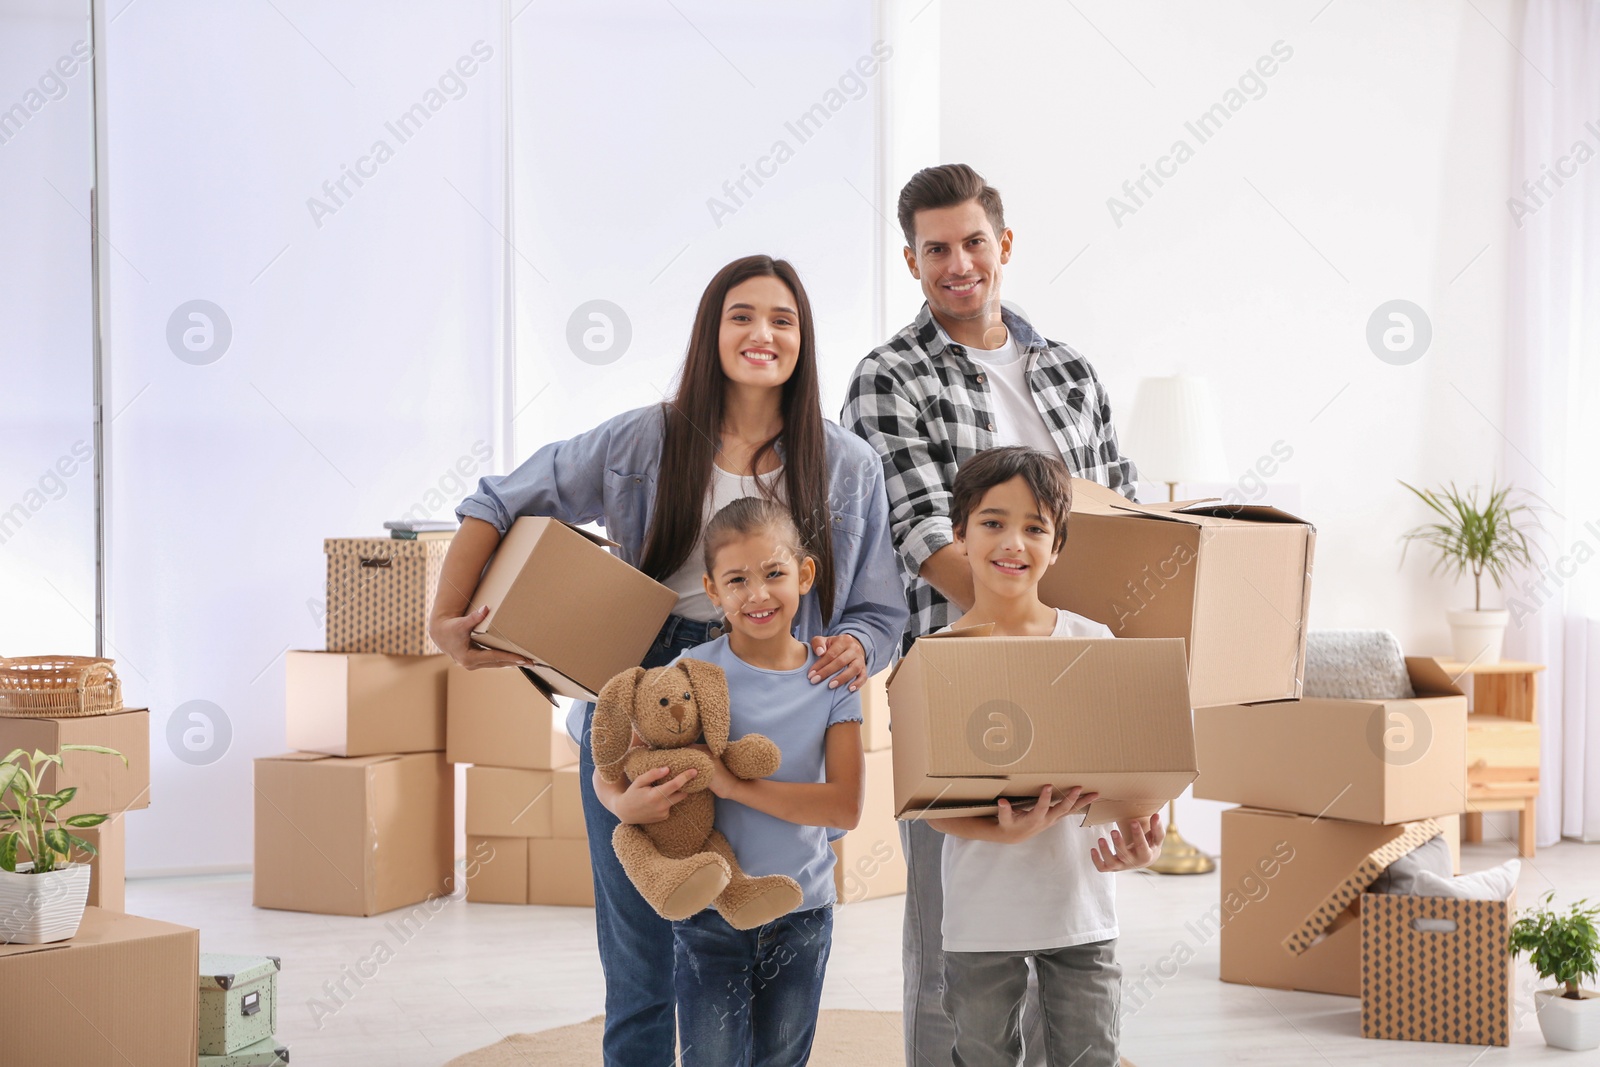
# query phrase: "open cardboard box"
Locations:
[[1374, 761], [1232, 580], [364, 703], [558, 598], [1290, 891], [978, 717]]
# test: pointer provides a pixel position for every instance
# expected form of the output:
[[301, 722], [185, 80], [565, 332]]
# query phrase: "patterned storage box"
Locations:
[[1435, 984], [268, 1053], [380, 594], [238, 1002]]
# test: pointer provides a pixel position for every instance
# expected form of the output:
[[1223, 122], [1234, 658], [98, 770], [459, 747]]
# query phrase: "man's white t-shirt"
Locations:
[[725, 488], [1042, 893], [1016, 416]]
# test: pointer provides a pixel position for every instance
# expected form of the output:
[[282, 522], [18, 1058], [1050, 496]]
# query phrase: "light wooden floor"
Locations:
[[473, 973]]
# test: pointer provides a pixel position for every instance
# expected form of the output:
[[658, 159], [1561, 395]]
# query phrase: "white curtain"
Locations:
[[1553, 396]]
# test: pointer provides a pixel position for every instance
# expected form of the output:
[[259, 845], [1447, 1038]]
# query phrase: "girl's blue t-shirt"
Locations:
[[795, 714]]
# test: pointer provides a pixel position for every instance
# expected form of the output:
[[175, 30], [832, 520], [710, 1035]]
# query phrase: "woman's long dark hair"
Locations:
[[694, 429]]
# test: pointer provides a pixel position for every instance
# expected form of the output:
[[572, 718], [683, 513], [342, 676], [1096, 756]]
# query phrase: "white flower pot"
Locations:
[[36, 909], [1476, 636], [1569, 1024]]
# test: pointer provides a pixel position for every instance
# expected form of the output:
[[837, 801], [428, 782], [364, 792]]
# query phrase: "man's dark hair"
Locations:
[[946, 186], [1046, 476]]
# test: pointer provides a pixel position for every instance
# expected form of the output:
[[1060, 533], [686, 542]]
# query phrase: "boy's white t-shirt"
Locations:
[[1042, 893]]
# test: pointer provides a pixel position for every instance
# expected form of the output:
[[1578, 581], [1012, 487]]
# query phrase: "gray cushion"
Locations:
[[1355, 665], [1400, 877]]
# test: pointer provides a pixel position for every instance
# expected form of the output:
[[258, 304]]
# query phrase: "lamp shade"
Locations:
[[1173, 434]]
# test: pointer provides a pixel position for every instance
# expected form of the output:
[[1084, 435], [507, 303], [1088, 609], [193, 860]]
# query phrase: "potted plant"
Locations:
[[42, 896], [1487, 539], [1563, 946]]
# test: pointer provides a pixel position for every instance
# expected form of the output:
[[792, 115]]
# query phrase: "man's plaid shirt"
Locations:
[[927, 407]]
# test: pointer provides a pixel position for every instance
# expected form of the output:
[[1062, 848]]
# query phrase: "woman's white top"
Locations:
[[725, 488]]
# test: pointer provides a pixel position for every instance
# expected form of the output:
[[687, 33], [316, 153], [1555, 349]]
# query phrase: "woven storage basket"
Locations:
[[58, 686]]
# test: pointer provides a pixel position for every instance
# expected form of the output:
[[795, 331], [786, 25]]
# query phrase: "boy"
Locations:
[[1030, 885]]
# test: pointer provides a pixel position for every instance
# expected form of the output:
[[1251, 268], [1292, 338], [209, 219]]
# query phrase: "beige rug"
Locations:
[[844, 1039]]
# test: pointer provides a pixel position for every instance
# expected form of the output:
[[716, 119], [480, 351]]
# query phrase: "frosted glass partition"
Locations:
[[46, 358], [305, 329]]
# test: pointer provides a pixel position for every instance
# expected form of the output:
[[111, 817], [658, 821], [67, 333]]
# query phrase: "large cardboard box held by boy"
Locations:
[[122, 991], [1234, 581], [354, 836], [558, 598], [1373, 761], [978, 717]]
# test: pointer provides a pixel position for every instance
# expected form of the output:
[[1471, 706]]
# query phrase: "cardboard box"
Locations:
[[380, 594], [559, 872], [105, 785], [558, 598], [354, 836], [1376, 761], [1290, 888], [496, 717], [497, 870], [1234, 581], [1436, 985], [875, 735], [510, 802], [868, 861], [121, 992], [364, 703], [978, 718], [108, 868], [566, 807]]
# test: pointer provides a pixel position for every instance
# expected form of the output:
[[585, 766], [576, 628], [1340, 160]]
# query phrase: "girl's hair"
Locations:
[[1046, 477], [752, 515], [693, 420]]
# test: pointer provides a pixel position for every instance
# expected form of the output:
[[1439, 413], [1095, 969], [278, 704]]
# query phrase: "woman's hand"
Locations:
[[1134, 843], [840, 658], [453, 635], [644, 801]]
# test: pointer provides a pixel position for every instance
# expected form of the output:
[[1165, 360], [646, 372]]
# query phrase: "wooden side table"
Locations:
[[1502, 745]]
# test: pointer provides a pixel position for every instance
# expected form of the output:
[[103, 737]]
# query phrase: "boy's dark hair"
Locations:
[[749, 515], [1046, 476], [946, 186]]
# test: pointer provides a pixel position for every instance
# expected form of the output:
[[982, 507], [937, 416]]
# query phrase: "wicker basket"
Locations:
[[58, 686]]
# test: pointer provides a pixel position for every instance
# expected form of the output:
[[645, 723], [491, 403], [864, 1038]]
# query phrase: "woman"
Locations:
[[746, 421]]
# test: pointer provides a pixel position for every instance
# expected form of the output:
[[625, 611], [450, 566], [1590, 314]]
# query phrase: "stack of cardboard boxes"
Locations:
[[71, 1001], [581, 616], [360, 818]]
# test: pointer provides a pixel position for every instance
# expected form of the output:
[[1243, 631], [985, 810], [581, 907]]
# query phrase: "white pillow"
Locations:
[[1496, 883]]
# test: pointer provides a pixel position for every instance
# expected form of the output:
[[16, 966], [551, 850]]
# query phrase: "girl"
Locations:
[[751, 997], [746, 421]]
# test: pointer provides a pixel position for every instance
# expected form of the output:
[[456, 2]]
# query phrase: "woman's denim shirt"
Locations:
[[608, 476]]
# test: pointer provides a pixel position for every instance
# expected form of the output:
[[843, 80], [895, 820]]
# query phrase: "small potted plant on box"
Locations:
[[41, 896], [1563, 946], [1487, 539]]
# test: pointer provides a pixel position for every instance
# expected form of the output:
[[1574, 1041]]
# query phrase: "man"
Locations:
[[966, 375]]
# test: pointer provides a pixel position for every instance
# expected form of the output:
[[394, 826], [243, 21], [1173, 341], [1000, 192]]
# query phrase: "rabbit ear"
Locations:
[[612, 731], [710, 688]]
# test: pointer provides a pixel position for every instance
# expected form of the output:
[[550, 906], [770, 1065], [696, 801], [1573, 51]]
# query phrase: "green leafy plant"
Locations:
[[1563, 946], [1486, 539], [29, 825]]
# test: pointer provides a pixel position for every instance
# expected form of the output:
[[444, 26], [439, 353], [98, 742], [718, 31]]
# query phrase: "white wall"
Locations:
[[361, 364], [1374, 166]]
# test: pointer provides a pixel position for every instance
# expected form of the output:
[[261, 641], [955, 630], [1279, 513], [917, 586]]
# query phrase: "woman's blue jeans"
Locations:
[[635, 943]]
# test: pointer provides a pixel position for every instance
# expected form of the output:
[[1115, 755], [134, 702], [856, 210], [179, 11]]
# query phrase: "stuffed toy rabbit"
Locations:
[[682, 865]]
